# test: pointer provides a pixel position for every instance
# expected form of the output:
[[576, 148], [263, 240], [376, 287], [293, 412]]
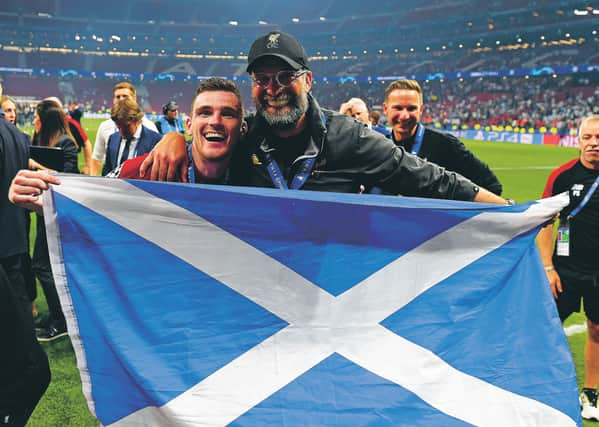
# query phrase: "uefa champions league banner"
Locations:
[[500, 136], [205, 305]]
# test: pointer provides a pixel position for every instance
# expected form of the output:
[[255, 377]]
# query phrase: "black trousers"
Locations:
[[24, 369], [43, 271], [26, 265]]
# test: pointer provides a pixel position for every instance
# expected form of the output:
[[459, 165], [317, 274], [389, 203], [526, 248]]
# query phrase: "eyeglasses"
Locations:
[[283, 78]]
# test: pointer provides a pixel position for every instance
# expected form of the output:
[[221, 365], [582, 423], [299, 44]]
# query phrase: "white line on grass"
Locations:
[[523, 168]]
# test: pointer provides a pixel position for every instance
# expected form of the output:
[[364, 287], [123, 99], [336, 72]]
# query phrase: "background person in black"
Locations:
[[403, 107], [24, 370], [51, 125], [9, 107], [573, 268], [75, 111], [79, 136]]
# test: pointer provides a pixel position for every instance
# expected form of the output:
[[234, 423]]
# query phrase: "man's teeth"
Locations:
[[214, 136], [279, 101]]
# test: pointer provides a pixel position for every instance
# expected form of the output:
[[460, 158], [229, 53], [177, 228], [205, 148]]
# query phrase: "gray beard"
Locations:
[[285, 119]]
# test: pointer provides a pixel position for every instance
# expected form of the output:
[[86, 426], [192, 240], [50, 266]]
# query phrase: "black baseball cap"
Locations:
[[281, 45]]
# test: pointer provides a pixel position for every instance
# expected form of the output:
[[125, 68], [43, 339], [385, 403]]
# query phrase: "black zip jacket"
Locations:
[[446, 150], [350, 156]]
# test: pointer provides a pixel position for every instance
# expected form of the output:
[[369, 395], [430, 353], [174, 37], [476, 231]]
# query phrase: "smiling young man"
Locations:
[[216, 126], [571, 264], [403, 107]]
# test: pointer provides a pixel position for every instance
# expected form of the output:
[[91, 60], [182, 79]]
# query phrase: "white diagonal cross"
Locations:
[[319, 323]]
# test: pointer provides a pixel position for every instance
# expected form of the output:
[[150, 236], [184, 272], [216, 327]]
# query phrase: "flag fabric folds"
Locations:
[[206, 305]]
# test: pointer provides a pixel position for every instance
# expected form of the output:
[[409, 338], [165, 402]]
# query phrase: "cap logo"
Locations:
[[273, 41]]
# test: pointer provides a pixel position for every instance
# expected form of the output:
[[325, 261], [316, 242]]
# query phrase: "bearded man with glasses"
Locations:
[[294, 143]]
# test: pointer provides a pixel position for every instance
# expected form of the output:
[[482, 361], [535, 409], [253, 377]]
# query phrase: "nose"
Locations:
[[273, 87], [216, 119], [404, 115]]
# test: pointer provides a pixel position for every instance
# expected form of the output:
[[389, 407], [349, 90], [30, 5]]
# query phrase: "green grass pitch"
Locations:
[[522, 169]]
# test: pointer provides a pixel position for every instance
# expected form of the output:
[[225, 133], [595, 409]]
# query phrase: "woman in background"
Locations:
[[52, 130]]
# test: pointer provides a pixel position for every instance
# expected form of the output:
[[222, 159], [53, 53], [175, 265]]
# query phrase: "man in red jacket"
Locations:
[[216, 125]]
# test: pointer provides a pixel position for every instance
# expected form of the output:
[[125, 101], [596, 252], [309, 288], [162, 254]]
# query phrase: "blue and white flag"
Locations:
[[205, 305]]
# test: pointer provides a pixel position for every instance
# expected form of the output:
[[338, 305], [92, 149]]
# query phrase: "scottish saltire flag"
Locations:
[[206, 305]]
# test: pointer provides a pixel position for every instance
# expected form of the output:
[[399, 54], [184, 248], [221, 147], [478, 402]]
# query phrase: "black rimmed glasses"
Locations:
[[283, 78]]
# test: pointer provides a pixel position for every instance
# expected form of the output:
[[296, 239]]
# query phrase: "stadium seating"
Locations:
[[80, 50]]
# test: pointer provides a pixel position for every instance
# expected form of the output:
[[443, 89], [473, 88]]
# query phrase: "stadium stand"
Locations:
[[80, 50]]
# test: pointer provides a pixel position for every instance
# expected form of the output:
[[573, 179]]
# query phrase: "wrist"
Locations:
[[549, 268]]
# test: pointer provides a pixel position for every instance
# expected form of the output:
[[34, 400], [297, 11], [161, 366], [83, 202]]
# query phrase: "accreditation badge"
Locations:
[[563, 239]]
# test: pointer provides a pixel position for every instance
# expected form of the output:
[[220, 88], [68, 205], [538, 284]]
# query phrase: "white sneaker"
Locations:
[[588, 404]]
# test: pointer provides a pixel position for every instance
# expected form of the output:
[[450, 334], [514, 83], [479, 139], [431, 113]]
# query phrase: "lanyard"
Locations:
[[585, 200], [305, 168], [418, 139], [191, 171]]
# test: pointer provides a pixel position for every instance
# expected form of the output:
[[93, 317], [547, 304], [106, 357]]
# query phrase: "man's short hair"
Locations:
[[125, 85], [406, 84], [126, 110], [375, 116], [358, 101], [5, 98], [214, 84], [587, 119]]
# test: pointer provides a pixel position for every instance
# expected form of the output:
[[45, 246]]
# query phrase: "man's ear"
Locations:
[[244, 127], [188, 124], [308, 80]]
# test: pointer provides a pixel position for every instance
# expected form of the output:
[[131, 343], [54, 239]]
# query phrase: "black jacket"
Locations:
[[446, 150], [69, 149], [350, 155], [14, 155]]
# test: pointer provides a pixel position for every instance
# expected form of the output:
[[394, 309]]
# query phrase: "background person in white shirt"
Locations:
[[122, 90], [132, 139]]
